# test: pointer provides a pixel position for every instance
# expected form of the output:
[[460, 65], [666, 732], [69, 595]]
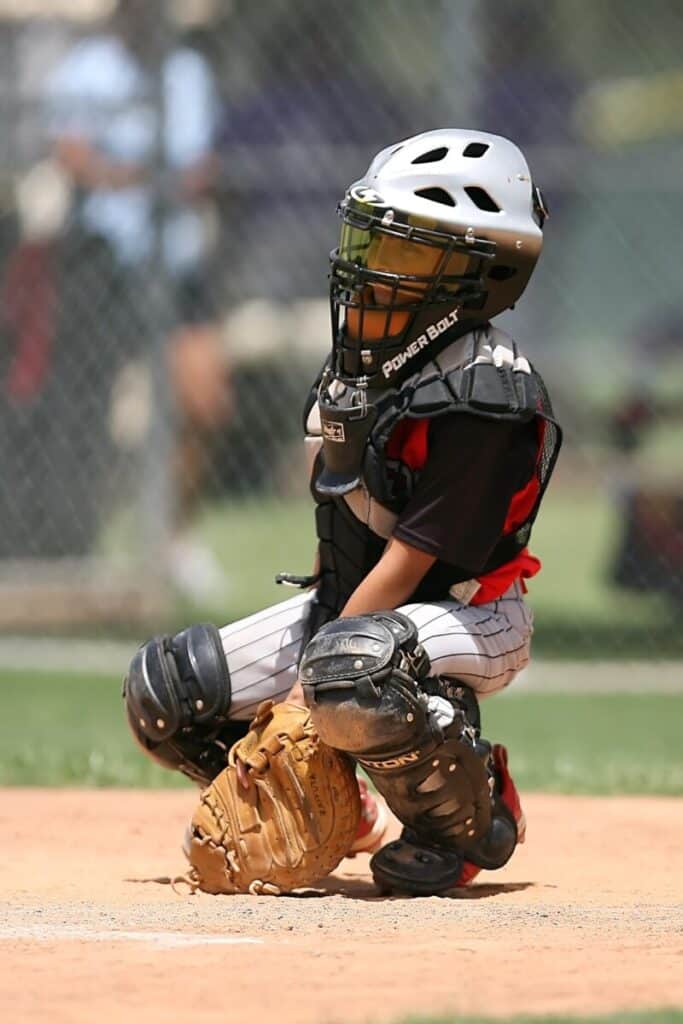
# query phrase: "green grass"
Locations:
[[255, 539], [644, 1017], [59, 729], [578, 613], [612, 744], [63, 730]]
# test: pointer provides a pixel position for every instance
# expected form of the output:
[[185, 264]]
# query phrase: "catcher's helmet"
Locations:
[[445, 228]]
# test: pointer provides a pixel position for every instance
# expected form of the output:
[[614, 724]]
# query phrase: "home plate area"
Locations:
[[585, 918]]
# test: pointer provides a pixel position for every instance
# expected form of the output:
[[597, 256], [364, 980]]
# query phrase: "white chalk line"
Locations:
[[76, 933]]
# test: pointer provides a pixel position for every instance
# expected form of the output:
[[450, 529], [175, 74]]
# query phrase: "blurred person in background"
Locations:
[[60, 347], [647, 477], [314, 101], [144, 188]]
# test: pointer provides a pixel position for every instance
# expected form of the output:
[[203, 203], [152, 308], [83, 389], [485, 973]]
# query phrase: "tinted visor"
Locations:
[[397, 258], [417, 261]]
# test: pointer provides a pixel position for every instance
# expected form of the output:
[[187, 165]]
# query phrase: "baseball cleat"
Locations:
[[408, 867], [374, 821]]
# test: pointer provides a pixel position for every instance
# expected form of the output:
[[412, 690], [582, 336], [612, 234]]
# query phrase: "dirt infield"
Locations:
[[586, 917]]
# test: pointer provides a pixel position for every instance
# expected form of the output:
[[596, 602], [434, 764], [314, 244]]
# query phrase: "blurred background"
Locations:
[[168, 180]]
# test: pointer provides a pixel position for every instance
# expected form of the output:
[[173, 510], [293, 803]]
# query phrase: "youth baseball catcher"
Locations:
[[431, 441]]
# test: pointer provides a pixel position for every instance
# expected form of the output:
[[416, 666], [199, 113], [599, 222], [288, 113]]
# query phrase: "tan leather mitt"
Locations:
[[292, 824]]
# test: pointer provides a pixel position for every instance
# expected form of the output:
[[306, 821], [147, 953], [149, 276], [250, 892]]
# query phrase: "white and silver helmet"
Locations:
[[442, 232]]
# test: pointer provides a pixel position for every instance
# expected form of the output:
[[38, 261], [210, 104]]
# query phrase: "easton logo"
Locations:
[[334, 431], [394, 762], [431, 333]]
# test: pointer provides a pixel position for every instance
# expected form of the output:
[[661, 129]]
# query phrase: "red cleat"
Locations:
[[374, 821], [510, 797], [508, 790]]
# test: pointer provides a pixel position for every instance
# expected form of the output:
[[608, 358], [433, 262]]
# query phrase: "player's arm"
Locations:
[[395, 577], [89, 168], [388, 585]]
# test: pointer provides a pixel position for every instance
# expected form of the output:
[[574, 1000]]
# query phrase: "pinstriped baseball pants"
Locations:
[[483, 646]]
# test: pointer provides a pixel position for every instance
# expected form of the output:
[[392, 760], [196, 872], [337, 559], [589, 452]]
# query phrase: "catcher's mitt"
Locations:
[[281, 815]]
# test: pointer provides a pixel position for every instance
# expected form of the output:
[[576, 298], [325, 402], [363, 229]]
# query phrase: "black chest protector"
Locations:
[[360, 491]]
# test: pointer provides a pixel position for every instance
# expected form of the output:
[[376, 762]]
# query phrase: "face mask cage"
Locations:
[[539, 205], [386, 273]]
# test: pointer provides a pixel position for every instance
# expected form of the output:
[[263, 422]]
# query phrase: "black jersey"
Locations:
[[460, 505]]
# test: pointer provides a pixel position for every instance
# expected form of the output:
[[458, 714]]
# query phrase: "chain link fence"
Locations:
[[168, 181]]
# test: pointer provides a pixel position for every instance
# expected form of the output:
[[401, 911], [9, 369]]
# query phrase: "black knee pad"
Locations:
[[360, 679], [177, 697]]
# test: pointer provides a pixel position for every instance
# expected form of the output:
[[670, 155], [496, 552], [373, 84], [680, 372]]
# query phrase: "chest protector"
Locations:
[[361, 484]]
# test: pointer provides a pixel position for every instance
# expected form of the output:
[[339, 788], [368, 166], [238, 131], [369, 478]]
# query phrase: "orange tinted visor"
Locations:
[[377, 250]]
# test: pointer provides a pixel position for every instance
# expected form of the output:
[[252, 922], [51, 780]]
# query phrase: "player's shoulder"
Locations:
[[484, 345], [483, 372]]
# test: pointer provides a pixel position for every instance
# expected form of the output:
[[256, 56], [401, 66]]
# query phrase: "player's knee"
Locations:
[[177, 688], [369, 685], [361, 680], [178, 681]]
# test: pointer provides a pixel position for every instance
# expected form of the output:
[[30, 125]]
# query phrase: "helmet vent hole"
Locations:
[[482, 199], [432, 157], [475, 149], [502, 273], [436, 195]]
